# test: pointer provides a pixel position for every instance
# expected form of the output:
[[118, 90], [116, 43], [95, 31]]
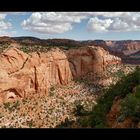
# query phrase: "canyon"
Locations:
[[22, 74], [43, 82], [125, 47]]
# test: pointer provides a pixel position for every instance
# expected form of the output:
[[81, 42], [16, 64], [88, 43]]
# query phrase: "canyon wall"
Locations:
[[127, 47], [22, 74]]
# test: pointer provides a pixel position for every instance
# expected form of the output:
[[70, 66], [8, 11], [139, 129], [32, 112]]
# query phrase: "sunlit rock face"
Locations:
[[22, 74]]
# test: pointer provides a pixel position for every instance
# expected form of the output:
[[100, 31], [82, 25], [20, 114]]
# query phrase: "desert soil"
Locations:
[[48, 111]]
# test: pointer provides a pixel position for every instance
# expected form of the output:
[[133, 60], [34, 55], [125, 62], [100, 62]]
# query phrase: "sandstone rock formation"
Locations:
[[12, 60], [126, 47], [90, 59], [22, 74]]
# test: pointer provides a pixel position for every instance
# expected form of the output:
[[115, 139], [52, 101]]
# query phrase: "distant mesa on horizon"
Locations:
[[37, 38]]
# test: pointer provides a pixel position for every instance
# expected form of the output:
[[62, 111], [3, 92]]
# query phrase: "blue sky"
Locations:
[[72, 25]]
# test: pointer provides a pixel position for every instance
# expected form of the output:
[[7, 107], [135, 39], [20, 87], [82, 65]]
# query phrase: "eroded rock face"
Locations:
[[125, 47], [12, 60], [22, 74], [112, 116], [90, 59]]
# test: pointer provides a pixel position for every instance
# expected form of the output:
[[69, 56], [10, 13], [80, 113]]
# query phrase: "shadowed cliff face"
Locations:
[[22, 74]]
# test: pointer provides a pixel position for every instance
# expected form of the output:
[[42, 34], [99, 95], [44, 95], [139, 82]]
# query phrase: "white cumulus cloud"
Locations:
[[4, 24], [97, 24], [60, 22], [52, 22], [114, 21]]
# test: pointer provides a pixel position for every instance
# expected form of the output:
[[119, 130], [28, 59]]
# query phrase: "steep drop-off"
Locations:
[[22, 74]]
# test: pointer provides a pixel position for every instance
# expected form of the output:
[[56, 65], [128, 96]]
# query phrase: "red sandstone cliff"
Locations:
[[125, 47], [22, 74]]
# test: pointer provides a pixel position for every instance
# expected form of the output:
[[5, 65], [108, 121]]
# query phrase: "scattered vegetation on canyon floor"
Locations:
[[72, 105], [130, 106], [121, 89], [12, 106]]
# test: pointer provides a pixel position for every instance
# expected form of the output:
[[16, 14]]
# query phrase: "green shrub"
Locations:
[[6, 105], [121, 89], [52, 88], [66, 124], [137, 93], [11, 106], [120, 73], [84, 121], [98, 116], [130, 107], [80, 110], [30, 123], [25, 49], [52, 91]]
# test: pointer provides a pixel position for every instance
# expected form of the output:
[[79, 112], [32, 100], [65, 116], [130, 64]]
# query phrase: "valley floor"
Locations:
[[46, 111], [50, 111]]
